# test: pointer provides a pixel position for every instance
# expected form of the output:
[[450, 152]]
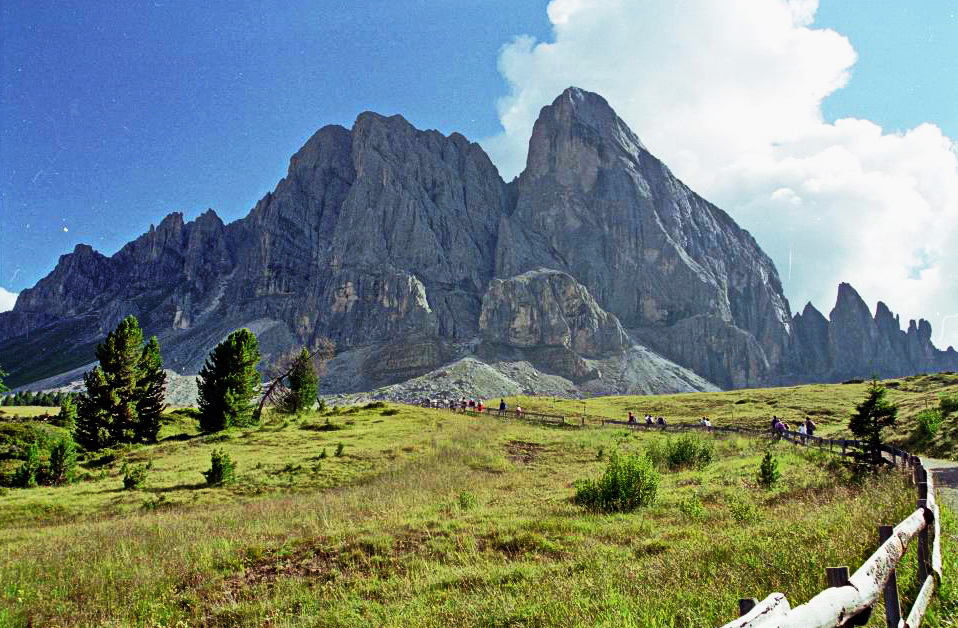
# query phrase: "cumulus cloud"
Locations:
[[728, 93], [7, 300]]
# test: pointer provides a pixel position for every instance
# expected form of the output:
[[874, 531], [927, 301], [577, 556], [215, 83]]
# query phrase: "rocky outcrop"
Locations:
[[405, 247], [548, 317]]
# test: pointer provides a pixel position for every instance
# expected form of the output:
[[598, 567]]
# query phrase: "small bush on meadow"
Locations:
[[466, 500], [627, 483], [947, 404], [688, 451], [692, 508], [927, 423], [743, 509], [339, 450], [134, 476], [222, 469], [390, 412]]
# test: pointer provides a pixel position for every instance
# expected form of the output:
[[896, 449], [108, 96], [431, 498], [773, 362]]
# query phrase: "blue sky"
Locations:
[[115, 114]]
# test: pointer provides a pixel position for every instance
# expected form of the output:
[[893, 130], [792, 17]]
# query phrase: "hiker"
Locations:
[[452, 405], [802, 431], [632, 420], [502, 407], [810, 426], [519, 411], [648, 419], [661, 421], [462, 404], [705, 422], [479, 406]]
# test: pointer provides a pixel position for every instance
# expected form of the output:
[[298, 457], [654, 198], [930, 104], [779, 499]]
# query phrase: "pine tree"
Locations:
[[303, 384], [93, 423], [124, 393], [68, 414], [871, 416], [229, 381], [63, 460], [152, 390]]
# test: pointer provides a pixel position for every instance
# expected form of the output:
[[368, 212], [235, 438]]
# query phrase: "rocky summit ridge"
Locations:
[[595, 271]]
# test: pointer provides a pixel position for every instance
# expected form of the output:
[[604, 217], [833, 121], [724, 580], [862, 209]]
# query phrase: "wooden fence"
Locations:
[[849, 599]]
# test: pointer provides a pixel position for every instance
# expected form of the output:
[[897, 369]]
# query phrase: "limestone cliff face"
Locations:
[[594, 203], [407, 249]]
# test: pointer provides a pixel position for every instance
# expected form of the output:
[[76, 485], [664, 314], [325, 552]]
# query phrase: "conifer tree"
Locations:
[[152, 389], [303, 384], [124, 392], [93, 423], [229, 381], [871, 416], [68, 414]]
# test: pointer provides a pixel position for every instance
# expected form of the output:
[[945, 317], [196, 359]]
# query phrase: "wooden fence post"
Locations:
[[890, 593], [836, 576], [745, 604], [923, 555]]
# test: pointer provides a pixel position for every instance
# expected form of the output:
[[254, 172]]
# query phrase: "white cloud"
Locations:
[[7, 300], [728, 93]]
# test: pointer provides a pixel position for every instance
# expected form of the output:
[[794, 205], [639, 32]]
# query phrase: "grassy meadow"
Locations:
[[829, 405], [429, 518]]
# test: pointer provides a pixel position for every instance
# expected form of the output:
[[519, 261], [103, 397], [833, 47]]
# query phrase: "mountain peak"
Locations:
[[576, 135]]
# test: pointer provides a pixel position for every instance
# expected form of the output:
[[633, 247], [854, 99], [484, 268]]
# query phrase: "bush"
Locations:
[[626, 484], [134, 477], [947, 404], [222, 469], [390, 412], [686, 451], [339, 450], [768, 473], [927, 424], [692, 508], [743, 509], [466, 500]]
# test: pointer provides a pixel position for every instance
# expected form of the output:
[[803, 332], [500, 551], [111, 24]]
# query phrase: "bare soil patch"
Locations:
[[522, 452]]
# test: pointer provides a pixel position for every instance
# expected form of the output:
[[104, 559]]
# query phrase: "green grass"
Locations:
[[430, 519], [28, 411]]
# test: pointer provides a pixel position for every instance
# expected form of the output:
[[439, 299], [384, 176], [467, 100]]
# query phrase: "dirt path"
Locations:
[[946, 480]]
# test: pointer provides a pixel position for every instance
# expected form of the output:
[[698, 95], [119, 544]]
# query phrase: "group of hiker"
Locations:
[[805, 428], [648, 420], [464, 404]]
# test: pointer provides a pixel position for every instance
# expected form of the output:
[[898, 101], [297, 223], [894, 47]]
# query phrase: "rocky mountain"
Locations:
[[595, 271], [852, 343]]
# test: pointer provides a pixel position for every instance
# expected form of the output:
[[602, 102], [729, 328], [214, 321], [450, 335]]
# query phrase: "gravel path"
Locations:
[[945, 474]]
